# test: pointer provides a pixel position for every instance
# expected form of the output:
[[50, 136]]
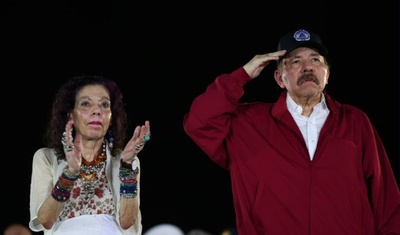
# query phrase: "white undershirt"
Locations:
[[310, 126]]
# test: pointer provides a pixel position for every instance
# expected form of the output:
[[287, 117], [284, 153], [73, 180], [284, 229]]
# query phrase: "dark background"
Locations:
[[162, 56]]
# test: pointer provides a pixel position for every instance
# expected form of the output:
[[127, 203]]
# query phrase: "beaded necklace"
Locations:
[[89, 170]]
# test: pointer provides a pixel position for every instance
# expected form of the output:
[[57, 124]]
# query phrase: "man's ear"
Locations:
[[327, 76], [278, 79]]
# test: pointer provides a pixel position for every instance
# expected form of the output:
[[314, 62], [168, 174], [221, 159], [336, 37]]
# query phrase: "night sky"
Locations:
[[163, 56]]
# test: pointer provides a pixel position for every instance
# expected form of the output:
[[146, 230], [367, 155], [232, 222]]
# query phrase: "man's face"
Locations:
[[304, 73]]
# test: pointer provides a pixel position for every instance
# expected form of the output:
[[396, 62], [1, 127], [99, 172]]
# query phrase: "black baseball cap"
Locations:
[[301, 38]]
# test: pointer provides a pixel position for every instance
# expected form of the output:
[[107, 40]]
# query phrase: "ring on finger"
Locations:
[[146, 138], [69, 148], [138, 147]]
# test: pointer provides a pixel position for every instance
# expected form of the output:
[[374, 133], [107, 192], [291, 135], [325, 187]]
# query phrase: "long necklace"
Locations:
[[89, 171]]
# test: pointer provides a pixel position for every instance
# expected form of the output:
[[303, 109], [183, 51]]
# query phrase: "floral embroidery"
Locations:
[[83, 202]]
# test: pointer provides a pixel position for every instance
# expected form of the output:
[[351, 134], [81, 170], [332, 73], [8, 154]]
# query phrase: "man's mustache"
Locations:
[[306, 78]]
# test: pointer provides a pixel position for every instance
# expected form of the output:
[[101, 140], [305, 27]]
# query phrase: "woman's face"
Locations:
[[92, 112]]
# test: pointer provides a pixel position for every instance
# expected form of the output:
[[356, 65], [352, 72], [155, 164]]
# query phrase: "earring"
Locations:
[[110, 139]]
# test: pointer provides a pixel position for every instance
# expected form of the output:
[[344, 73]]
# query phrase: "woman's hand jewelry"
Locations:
[[68, 148]]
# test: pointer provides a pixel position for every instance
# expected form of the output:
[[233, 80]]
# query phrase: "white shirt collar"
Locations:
[[293, 107]]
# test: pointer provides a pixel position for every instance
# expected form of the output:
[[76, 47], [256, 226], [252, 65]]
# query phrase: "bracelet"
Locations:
[[126, 165], [68, 175], [128, 190], [60, 192], [125, 172], [60, 196], [127, 176]]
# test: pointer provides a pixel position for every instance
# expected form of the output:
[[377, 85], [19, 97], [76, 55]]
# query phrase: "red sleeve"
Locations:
[[208, 120], [382, 186]]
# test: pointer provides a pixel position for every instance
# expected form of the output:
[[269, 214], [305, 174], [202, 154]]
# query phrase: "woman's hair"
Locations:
[[64, 103]]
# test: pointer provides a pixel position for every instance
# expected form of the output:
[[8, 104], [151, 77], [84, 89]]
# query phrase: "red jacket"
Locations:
[[347, 189]]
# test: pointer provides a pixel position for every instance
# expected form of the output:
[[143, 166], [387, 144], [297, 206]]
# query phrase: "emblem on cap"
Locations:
[[301, 35]]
